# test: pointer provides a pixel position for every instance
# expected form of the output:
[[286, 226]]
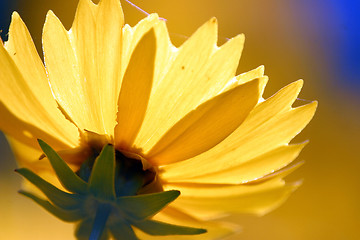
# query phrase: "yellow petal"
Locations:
[[250, 75], [270, 125], [245, 77], [98, 49], [21, 109], [83, 38], [132, 36], [206, 126], [255, 168], [23, 52], [213, 201], [108, 37], [198, 71], [135, 91], [228, 190], [26, 132], [63, 71]]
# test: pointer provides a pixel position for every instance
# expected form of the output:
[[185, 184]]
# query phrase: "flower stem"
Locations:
[[101, 217]]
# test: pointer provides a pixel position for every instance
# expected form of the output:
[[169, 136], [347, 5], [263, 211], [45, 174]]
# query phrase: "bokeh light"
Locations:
[[316, 40]]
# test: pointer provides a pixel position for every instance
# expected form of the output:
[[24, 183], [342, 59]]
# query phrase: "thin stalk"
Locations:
[[101, 218]]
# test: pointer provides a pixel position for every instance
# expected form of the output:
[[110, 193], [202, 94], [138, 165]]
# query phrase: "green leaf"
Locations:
[[67, 177], [122, 230], [162, 229], [59, 198], [102, 178], [67, 216], [140, 207]]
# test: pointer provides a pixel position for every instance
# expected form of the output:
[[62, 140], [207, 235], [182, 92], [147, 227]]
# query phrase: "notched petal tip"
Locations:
[[15, 16], [49, 14], [261, 69], [299, 84], [50, 19], [153, 16], [213, 20], [208, 31], [311, 107], [240, 37], [316, 103]]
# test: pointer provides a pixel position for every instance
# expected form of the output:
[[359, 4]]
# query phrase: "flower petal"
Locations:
[[198, 71], [90, 58], [97, 44], [26, 132], [213, 201], [165, 53], [108, 40], [23, 52], [206, 126], [63, 71], [244, 77], [18, 99], [135, 91], [255, 168], [272, 124]]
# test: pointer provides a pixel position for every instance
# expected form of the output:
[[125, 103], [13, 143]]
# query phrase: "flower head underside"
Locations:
[[181, 114]]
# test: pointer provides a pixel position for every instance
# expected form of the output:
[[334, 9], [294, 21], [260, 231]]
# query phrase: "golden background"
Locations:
[[293, 39]]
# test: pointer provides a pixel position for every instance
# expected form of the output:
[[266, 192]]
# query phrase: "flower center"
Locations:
[[133, 174]]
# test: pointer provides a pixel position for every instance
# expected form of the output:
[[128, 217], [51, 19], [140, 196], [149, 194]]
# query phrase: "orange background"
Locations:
[[292, 42]]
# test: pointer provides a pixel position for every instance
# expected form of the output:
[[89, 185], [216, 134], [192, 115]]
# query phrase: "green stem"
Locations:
[[101, 217]]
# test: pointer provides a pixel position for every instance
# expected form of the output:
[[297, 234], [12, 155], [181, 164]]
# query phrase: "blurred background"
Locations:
[[315, 40]]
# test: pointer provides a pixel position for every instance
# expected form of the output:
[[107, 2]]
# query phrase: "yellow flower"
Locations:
[[181, 111]]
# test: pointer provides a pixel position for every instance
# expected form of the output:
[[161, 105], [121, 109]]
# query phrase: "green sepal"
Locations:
[[66, 176], [140, 207], [157, 228], [82, 230], [102, 179], [121, 230], [67, 216], [99, 193], [56, 196], [86, 167]]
